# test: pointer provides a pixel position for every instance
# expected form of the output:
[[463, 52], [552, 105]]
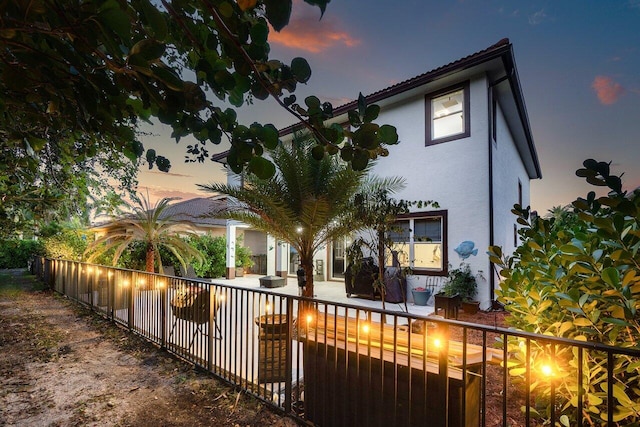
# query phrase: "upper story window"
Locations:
[[448, 114]]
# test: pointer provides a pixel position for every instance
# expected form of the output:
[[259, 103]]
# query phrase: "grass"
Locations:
[[39, 338], [14, 282]]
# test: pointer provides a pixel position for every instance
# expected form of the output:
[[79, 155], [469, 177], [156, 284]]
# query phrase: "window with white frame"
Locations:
[[447, 114], [420, 241]]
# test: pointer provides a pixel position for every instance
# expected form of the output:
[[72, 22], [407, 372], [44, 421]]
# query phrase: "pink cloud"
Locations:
[[308, 33], [607, 90]]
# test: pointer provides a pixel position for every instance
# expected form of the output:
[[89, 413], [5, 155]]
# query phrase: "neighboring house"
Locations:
[[198, 217], [466, 143], [197, 212]]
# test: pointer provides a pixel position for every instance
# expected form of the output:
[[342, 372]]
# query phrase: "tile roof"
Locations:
[[197, 210]]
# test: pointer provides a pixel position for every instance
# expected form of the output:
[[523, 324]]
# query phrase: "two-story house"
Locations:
[[465, 142]]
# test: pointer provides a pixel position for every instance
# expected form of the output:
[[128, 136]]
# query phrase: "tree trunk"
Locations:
[[150, 259], [307, 265]]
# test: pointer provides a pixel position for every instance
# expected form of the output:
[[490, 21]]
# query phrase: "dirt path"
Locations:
[[62, 366]]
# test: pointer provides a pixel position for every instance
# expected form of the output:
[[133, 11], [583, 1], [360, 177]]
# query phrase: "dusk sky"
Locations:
[[578, 62]]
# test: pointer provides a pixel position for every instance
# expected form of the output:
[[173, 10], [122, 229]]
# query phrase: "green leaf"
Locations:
[[312, 102], [151, 157], [269, 136], [583, 299], [155, 20], [301, 69], [388, 135], [360, 160], [258, 91], [169, 78], [226, 9], [148, 49], [613, 321], [278, 12], [371, 113], [163, 164], [354, 118], [362, 104], [259, 33], [261, 167], [117, 20], [611, 276], [581, 321], [317, 152], [570, 249]]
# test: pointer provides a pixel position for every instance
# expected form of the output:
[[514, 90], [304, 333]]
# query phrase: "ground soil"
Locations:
[[61, 365]]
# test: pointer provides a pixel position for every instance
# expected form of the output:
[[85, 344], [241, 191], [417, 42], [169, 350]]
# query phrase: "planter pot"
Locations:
[[449, 304], [239, 271], [421, 297], [471, 307], [413, 282]]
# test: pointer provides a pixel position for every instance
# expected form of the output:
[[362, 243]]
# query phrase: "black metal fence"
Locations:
[[342, 365]]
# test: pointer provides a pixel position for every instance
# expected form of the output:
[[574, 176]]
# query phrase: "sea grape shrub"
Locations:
[[577, 275]]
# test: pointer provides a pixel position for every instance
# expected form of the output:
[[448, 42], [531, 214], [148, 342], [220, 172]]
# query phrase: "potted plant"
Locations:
[[421, 295], [462, 282], [243, 260]]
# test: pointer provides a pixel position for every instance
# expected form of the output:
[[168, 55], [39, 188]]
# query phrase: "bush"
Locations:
[[15, 253], [67, 244], [579, 278], [243, 255], [214, 253], [461, 281]]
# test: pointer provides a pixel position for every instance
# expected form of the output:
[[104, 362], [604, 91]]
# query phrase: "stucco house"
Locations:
[[465, 142]]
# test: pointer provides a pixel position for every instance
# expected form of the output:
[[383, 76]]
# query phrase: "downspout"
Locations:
[[492, 121]]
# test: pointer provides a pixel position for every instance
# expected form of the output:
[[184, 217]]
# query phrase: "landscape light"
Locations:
[[547, 370]]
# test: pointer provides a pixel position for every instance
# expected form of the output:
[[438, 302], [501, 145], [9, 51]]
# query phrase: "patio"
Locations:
[[332, 291]]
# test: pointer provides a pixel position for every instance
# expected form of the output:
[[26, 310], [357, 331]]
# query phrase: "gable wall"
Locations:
[[454, 173], [508, 169]]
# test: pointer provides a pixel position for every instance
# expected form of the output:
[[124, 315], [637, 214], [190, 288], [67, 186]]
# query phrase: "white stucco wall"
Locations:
[[455, 174], [508, 168]]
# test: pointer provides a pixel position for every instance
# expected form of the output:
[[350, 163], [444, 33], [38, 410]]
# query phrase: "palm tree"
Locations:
[[154, 226], [307, 203]]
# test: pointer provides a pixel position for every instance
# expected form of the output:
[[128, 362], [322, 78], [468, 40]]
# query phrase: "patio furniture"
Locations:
[[189, 273], [361, 284], [450, 305], [395, 285], [192, 304], [272, 282]]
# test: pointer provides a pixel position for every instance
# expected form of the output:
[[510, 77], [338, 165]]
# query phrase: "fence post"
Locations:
[[132, 293], [288, 386], [90, 276], [212, 326], [163, 312], [442, 395]]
